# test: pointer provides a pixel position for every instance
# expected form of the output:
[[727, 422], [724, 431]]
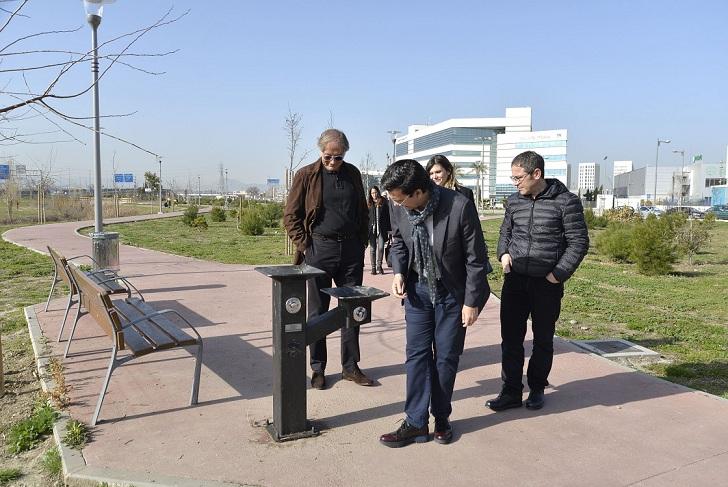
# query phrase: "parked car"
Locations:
[[650, 210], [687, 210], [720, 212]]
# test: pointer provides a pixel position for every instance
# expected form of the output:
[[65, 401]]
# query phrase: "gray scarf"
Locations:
[[424, 254]]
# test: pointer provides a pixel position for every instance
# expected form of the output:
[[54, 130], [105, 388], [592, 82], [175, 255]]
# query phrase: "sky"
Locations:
[[617, 75]]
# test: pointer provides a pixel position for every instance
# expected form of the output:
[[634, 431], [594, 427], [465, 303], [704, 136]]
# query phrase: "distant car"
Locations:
[[720, 212], [650, 210], [687, 210]]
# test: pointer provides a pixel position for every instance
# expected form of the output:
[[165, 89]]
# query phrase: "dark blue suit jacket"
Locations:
[[460, 251]]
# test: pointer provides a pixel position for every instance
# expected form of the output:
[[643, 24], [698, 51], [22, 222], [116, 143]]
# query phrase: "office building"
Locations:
[[482, 149], [588, 178], [621, 167]]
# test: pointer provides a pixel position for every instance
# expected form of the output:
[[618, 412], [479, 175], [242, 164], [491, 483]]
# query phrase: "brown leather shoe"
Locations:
[[357, 376], [318, 380], [443, 431], [405, 435]]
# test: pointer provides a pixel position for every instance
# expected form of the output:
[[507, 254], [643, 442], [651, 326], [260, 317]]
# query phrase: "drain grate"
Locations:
[[617, 348]]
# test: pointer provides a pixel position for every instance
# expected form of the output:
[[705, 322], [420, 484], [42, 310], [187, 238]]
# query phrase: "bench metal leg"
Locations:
[[112, 365], [196, 378], [73, 330], [65, 315], [53, 286]]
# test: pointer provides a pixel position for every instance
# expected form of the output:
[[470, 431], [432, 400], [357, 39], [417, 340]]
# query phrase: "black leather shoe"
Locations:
[[535, 399], [318, 380], [443, 431], [374, 272], [357, 376], [380, 270], [505, 400], [405, 435]]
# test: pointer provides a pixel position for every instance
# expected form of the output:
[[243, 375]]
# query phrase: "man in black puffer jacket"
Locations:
[[543, 239]]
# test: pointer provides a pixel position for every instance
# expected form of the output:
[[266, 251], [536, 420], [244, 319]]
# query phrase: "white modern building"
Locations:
[[482, 149], [701, 177], [588, 179], [621, 167]]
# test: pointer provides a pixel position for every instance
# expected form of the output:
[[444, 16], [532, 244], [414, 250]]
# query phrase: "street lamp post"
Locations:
[[394, 133], [682, 172], [226, 190], [159, 158], [482, 170], [101, 243], [198, 190], [657, 156]]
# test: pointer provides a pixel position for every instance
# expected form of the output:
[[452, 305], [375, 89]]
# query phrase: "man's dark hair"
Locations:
[[407, 176], [529, 161]]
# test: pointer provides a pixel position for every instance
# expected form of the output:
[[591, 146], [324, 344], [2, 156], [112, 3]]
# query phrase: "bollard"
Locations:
[[292, 333]]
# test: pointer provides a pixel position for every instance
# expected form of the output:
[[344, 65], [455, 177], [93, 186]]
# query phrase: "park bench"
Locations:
[[133, 325], [108, 279]]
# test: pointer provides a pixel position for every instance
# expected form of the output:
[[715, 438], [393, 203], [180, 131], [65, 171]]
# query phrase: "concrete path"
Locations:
[[603, 424]]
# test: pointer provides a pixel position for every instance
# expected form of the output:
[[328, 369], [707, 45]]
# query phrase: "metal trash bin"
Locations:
[[105, 250]]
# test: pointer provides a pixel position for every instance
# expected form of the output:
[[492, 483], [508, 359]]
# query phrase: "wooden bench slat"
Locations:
[[146, 328], [168, 327], [111, 287], [136, 343]]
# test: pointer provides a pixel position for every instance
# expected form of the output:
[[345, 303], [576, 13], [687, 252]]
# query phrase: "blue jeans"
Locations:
[[435, 341]]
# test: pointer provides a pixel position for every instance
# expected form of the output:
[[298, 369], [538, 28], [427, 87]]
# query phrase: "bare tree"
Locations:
[[19, 101], [293, 127], [9, 194], [366, 166]]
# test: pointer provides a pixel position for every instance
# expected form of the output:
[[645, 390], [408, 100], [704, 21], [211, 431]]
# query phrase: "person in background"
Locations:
[[379, 227], [439, 259], [543, 239], [442, 173], [327, 220]]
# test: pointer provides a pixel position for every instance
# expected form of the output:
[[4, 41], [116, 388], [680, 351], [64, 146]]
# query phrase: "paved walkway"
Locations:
[[603, 424]]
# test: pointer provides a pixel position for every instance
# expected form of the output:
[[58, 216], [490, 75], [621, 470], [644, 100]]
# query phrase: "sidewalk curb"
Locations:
[[75, 470]]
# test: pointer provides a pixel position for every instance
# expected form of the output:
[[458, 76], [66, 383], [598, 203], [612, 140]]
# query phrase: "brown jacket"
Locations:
[[306, 198]]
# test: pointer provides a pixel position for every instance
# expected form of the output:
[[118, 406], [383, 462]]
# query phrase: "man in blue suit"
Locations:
[[440, 263]]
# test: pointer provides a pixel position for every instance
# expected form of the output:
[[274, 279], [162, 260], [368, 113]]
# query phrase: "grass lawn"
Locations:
[[221, 242], [26, 279]]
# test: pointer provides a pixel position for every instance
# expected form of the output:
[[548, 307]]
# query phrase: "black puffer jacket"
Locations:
[[546, 234]]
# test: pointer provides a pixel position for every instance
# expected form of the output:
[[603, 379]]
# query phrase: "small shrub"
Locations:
[[252, 223], [190, 215], [200, 223], [654, 247], [691, 236], [593, 221], [52, 463], [616, 242], [27, 433], [59, 394], [9, 474], [76, 434], [272, 214], [622, 214], [217, 214], [233, 213]]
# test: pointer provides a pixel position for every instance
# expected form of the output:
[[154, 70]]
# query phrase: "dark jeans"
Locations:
[[435, 340], [523, 296], [376, 250], [344, 263]]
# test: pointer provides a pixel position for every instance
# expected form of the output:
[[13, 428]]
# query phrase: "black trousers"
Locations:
[[343, 263], [525, 296]]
